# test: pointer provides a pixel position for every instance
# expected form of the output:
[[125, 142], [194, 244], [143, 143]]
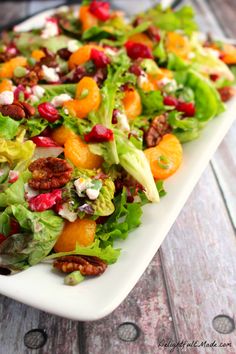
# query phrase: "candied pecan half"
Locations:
[[30, 79], [29, 110], [226, 93], [157, 129], [12, 110], [85, 264], [49, 173]]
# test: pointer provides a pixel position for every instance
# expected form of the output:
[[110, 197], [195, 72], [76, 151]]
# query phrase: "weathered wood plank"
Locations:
[[17, 319], [199, 258], [147, 307]]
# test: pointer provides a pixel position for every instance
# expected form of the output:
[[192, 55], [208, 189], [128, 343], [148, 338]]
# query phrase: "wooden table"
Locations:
[[188, 291]]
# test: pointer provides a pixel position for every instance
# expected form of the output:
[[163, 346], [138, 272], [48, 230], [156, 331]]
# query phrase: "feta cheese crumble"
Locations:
[[66, 213], [50, 74], [123, 121], [73, 45], [51, 29], [6, 97], [58, 101]]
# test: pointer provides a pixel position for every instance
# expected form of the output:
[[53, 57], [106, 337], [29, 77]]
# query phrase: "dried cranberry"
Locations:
[[14, 227], [100, 9], [48, 112], [13, 176], [130, 197], [99, 58], [188, 108], [2, 238], [114, 116], [138, 50], [170, 101], [44, 141], [64, 53], [46, 132], [99, 134], [214, 77], [45, 201], [135, 69]]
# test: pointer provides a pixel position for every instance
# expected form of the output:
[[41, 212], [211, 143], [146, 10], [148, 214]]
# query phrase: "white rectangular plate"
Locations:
[[95, 298]]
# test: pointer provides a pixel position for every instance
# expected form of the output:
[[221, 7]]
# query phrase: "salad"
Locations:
[[93, 114]]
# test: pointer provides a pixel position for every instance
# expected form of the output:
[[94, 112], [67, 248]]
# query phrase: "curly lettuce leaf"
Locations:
[[107, 254], [126, 217], [152, 102], [14, 193], [169, 20], [8, 127], [15, 152], [39, 234]]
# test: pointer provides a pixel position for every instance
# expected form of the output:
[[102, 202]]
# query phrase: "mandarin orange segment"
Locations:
[[81, 55], [61, 134], [229, 54], [37, 54], [78, 152], [7, 68], [87, 19], [166, 157], [5, 85], [141, 38], [132, 103], [88, 97], [81, 232], [150, 84], [177, 44]]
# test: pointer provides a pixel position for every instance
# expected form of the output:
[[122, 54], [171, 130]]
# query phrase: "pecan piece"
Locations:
[[157, 129], [12, 110], [30, 79], [49, 173], [28, 109], [226, 93], [87, 265]]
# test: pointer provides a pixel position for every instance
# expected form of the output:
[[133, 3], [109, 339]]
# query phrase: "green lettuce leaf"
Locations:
[[126, 217], [152, 102], [103, 205], [8, 127], [135, 163], [15, 152], [39, 234], [35, 126], [14, 193], [107, 254]]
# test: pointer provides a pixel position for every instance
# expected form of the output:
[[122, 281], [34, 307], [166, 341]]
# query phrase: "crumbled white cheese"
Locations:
[[6, 97], [215, 53], [29, 192], [92, 193], [66, 213], [50, 74], [123, 123], [73, 45], [33, 99], [66, 111], [142, 79], [38, 91], [58, 101], [50, 29], [109, 51], [172, 84], [81, 184]]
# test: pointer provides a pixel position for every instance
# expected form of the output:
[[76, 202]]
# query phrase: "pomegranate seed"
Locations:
[[138, 50], [99, 134], [48, 112], [170, 101], [13, 176], [100, 9], [99, 58], [136, 70], [14, 227], [188, 108], [45, 201], [43, 141], [2, 238], [21, 89], [214, 77]]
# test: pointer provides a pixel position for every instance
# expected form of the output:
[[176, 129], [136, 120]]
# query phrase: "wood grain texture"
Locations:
[[147, 306], [199, 260]]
